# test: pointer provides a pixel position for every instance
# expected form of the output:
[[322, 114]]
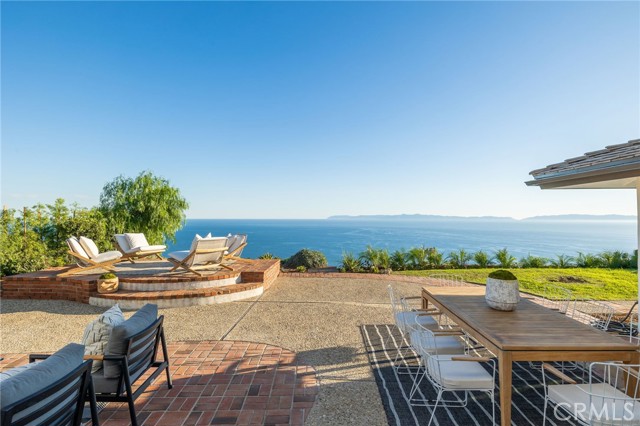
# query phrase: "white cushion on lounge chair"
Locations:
[[195, 240], [136, 240], [447, 345], [89, 247], [573, 396], [74, 245], [107, 256], [148, 248], [123, 243], [179, 255], [459, 374]]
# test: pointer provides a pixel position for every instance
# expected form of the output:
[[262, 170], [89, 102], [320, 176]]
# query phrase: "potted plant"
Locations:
[[108, 283], [503, 290]]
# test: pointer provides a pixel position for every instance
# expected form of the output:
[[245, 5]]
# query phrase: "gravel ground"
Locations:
[[319, 318]]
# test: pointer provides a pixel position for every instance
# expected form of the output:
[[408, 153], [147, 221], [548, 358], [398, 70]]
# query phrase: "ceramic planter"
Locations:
[[502, 295], [107, 285]]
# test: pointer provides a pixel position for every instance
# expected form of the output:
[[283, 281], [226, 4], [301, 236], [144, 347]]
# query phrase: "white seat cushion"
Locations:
[[406, 321], [179, 255], [107, 256], [89, 247], [446, 345], [459, 374], [136, 240], [573, 397], [148, 248]]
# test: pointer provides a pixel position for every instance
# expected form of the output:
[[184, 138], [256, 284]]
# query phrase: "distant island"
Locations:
[[431, 217]]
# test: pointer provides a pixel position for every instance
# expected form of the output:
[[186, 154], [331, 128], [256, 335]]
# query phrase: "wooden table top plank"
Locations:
[[530, 327]]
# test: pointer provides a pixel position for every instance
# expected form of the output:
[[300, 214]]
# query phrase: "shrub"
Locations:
[[375, 260], [301, 269], [588, 260], [482, 259], [459, 259], [268, 256], [502, 274], [108, 276], [399, 260], [307, 258], [418, 257], [350, 263], [504, 259], [562, 261], [533, 262]]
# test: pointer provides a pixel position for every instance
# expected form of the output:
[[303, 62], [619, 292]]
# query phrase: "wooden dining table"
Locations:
[[530, 333]]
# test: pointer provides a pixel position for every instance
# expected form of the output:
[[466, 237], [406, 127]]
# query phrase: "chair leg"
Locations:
[[435, 406], [132, 408], [93, 405], [165, 354]]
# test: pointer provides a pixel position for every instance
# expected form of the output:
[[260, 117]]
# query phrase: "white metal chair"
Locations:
[[406, 320], [592, 312], [610, 397], [450, 373], [556, 298]]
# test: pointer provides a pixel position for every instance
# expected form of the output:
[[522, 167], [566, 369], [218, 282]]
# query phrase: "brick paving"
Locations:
[[219, 383]]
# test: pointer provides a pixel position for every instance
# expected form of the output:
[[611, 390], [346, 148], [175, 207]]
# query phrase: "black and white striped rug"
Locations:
[[381, 343]]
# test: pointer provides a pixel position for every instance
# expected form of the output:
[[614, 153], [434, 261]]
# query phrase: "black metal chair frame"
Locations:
[[144, 360], [57, 416]]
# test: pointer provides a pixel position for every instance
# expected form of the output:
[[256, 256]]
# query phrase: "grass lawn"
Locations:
[[592, 283]]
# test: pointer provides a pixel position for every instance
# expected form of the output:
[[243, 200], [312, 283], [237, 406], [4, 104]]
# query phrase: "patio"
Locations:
[[331, 316]]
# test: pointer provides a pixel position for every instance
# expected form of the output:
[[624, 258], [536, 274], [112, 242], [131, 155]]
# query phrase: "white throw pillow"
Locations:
[[89, 246], [96, 335], [136, 240], [208, 235]]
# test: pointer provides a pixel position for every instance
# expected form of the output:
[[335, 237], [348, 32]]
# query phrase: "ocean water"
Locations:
[[333, 237]]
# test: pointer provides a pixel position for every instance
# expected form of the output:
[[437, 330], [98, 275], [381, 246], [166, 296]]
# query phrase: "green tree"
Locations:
[[20, 250], [147, 204]]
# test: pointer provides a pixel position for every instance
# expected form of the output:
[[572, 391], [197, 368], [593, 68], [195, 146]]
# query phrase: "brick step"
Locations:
[[148, 285], [176, 278], [179, 298]]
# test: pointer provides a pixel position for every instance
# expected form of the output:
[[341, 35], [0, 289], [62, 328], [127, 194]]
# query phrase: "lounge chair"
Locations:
[[236, 244], [205, 252], [88, 257], [136, 246]]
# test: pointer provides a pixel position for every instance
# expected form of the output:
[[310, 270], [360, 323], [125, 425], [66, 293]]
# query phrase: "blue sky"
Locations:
[[305, 110]]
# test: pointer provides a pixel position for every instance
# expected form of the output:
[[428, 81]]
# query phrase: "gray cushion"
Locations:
[[121, 332], [103, 384], [28, 381]]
